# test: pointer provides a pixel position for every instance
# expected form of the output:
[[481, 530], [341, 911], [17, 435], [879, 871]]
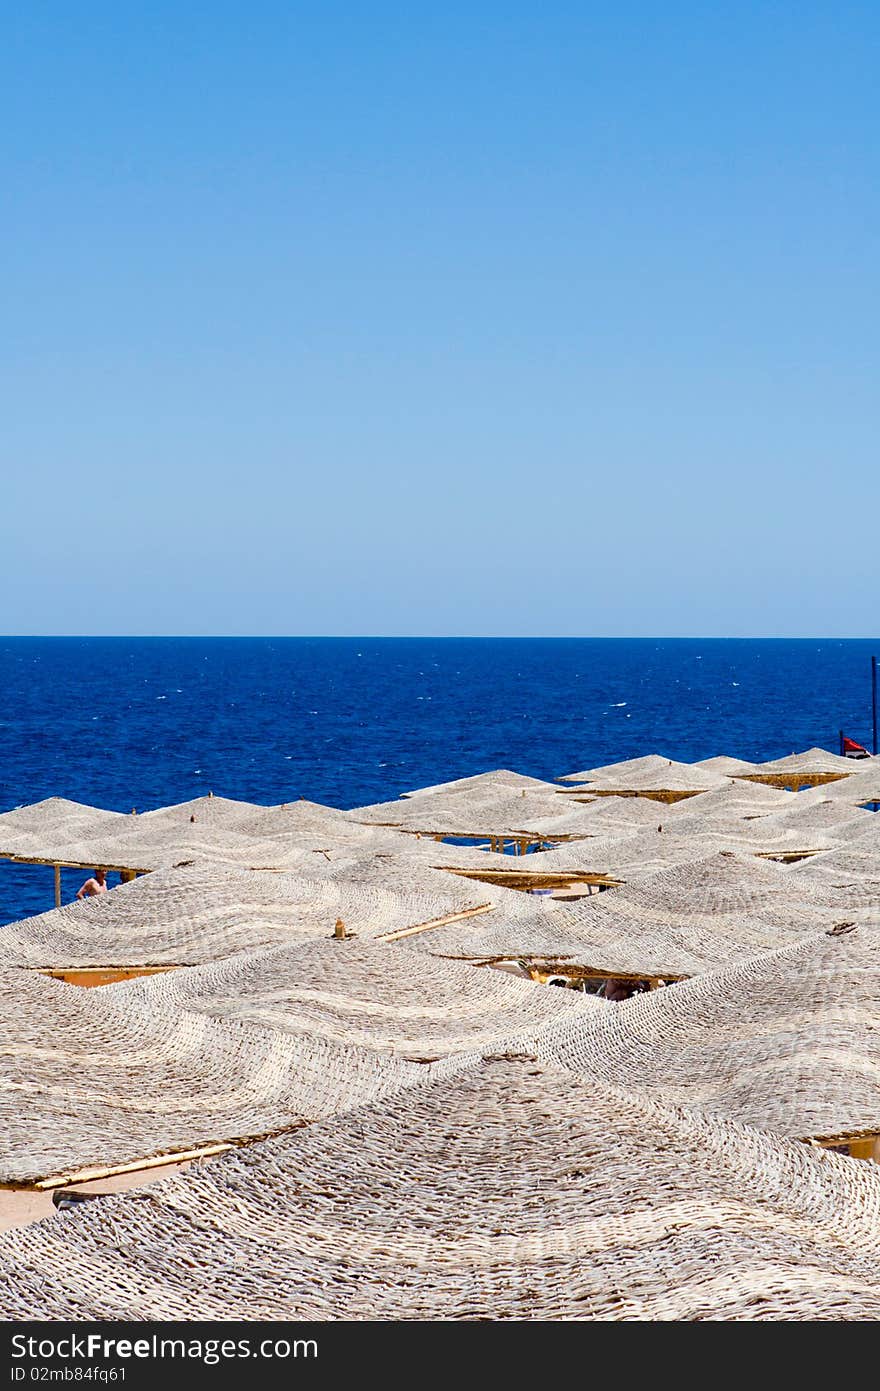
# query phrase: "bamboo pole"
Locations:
[[134, 1167], [435, 922]]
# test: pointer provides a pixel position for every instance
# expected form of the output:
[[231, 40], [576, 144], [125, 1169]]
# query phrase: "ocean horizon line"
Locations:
[[433, 637]]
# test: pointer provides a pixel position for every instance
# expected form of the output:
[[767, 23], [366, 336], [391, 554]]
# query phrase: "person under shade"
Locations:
[[96, 885]]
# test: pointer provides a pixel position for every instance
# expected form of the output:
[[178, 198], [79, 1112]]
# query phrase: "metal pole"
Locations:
[[874, 699]]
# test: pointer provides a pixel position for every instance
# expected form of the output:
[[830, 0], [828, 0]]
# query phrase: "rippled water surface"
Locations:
[[140, 722]]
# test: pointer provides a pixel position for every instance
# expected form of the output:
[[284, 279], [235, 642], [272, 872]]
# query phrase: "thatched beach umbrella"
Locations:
[[187, 916], [509, 1190], [725, 765], [377, 996], [809, 769], [687, 918], [659, 779], [96, 1081], [789, 1041]]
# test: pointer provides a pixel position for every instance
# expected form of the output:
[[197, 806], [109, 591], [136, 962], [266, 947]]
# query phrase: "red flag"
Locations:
[[850, 746]]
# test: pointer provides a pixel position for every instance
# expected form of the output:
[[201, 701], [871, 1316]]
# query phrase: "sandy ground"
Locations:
[[21, 1206]]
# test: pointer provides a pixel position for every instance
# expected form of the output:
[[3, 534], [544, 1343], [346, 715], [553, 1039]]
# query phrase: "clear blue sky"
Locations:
[[467, 318]]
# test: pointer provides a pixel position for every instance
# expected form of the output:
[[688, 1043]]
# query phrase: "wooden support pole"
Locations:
[[57, 886], [435, 922], [135, 1167]]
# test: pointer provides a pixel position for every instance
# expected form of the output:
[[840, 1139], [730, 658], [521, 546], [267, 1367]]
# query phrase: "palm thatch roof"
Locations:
[[851, 871], [512, 1189], [813, 767], [606, 815], [789, 1041], [686, 918], [726, 766], [92, 1079], [496, 811], [622, 771], [628, 856], [860, 788], [813, 760], [200, 914], [737, 798], [645, 776], [826, 815], [43, 829], [208, 829], [381, 997], [494, 781]]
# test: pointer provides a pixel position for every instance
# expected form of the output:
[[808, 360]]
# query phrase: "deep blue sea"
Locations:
[[141, 722]]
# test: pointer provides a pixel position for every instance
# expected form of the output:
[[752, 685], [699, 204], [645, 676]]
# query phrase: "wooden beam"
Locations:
[[435, 922], [57, 886], [134, 1167], [70, 864]]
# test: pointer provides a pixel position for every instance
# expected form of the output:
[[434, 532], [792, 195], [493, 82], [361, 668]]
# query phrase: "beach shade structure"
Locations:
[[725, 765], [704, 914], [756, 836], [658, 779], [809, 769], [509, 1190], [832, 819], [376, 996], [860, 789], [592, 865], [604, 816], [45, 828], [737, 798], [94, 1084], [621, 772], [222, 813], [290, 826], [788, 832], [851, 872], [497, 784], [50, 833], [616, 815], [207, 830], [460, 871], [195, 915], [788, 1041], [629, 856], [495, 815], [495, 781]]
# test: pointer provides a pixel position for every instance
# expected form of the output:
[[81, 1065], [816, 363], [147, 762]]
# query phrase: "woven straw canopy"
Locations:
[[199, 914], [646, 775], [716, 911], [813, 767], [92, 1079], [811, 761], [208, 829], [510, 1190], [725, 765], [381, 997], [694, 916], [46, 829], [494, 781], [788, 1042], [478, 812]]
